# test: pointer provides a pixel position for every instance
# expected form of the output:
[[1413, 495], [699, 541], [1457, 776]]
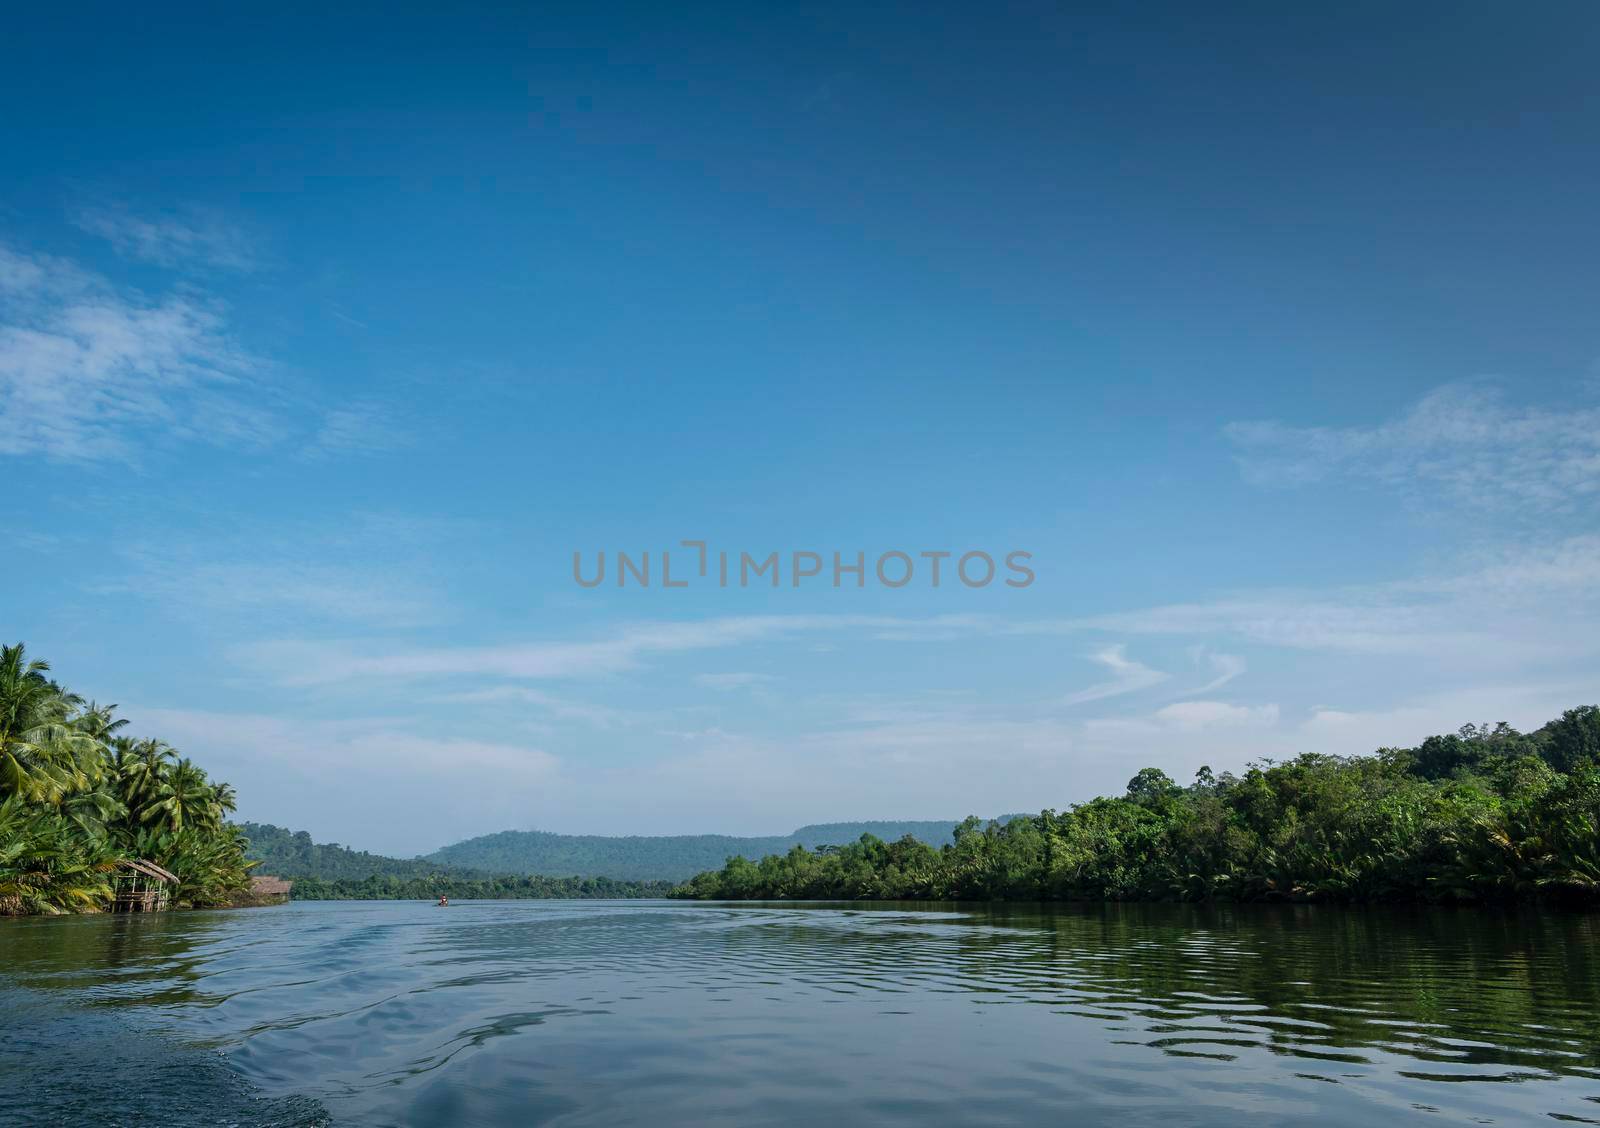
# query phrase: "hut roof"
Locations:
[[267, 884], [149, 869]]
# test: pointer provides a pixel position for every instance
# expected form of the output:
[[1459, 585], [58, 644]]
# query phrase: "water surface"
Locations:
[[524, 1012]]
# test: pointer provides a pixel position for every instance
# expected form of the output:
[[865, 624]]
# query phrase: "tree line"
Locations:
[[398, 887], [329, 871], [652, 857], [293, 854], [78, 796], [1487, 814]]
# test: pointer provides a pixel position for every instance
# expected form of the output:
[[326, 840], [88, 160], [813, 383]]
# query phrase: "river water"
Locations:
[[570, 1012]]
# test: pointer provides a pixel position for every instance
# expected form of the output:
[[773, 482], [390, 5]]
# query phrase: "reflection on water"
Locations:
[[600, 1012]]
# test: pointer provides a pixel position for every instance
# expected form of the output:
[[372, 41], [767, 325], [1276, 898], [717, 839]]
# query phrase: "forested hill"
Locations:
[[291, 853], [646, 858], [332, 872]]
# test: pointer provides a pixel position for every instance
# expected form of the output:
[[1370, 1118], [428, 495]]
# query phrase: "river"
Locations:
[[590, 1012]]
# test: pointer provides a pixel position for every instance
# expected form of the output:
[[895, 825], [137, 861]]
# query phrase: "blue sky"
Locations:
[[327, 337]]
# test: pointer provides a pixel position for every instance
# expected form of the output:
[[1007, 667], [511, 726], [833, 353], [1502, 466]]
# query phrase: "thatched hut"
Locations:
[[141, 887], [269, 890]]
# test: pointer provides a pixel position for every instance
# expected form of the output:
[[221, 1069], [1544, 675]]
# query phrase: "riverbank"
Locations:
[[1485, 815], [90, 814]]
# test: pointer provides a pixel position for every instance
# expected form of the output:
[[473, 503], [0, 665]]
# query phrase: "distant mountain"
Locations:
[[292, 854], [657, 858], [935, 832]]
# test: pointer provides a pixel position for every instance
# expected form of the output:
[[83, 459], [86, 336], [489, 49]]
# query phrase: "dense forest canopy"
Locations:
[[1485, 814], [79, 795]]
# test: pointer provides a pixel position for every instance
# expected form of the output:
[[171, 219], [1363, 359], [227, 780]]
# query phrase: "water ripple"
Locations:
[[610, 1012]]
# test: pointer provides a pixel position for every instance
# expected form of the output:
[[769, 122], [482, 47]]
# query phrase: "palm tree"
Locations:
[[182, 798], [77, 794], [46, 866], [93, 811], [141, 774], [43, 756], [100, 724]]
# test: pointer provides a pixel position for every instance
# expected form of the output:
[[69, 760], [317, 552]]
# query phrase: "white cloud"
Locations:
[[935, 765], [730, 681], [318, 591], [1461, 441], [923, 757], [364, 568], [1195, 715], [358, 428], [1515, 605], [92, 372], [1354, 729], [83, 368], [1226, 667], [301, 662], [418, 791], [1524, 604], [1128, 676], [194, 235], [547, 704]]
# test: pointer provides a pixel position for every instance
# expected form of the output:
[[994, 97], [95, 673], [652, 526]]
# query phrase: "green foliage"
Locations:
[[324, 872], [1485, 814], [77, 797], [458, 887], [651, 858], [292, 854]]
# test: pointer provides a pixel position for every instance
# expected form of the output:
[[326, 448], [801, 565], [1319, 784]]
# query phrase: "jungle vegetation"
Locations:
[[459, 886], [292, 854], [657, 857], [78, 795], [1487, 814]]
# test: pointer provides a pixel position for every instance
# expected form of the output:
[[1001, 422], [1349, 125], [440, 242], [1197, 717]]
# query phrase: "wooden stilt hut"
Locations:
[[142, 887], [270, 890]]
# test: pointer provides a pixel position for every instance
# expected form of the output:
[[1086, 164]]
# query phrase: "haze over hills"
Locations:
[[635, 857], [658, 857]]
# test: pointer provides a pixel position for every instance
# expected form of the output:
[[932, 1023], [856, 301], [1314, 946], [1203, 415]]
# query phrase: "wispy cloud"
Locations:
[[1462, 441], [1128, 676], [731, 681], [84, 366], [546, 704], [1225, 667], [357, 428], [626, 648], [1517, 603], [366, 569], [432, 790], [1194, 715], [98, 373], [191, 235], [1523, 604], [317, 592]]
